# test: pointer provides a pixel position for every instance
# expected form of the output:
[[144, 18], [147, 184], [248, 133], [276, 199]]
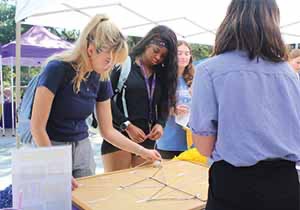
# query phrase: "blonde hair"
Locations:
[[104, 34], [295, 53]]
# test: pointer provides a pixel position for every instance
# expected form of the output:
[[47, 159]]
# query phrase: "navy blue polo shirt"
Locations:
[[70, 109]]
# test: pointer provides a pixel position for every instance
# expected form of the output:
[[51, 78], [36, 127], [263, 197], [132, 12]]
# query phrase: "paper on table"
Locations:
[[43, 176]]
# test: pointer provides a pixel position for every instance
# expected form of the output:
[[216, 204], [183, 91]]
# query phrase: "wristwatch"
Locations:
[[124, 125]]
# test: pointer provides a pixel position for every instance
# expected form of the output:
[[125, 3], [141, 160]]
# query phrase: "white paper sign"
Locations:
[[41, 178]]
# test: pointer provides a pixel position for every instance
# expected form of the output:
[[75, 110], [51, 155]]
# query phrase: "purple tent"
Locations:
[[37, 44]]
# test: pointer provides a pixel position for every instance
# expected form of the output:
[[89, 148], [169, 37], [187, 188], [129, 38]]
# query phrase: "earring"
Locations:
[[163, 65]]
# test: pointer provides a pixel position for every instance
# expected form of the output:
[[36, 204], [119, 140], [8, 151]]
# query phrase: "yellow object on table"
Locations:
[[192, 155]]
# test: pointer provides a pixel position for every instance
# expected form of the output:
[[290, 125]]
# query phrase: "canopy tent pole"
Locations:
[[12, 96], [18, 71], [2, 96]]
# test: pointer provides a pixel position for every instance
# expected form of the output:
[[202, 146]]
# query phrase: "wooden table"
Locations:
[[177, 185]]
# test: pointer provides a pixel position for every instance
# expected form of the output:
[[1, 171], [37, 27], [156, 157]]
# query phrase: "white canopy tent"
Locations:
[[193, 20]]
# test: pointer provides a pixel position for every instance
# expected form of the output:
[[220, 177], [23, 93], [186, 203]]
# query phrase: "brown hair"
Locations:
[[252, 26], [189, 70], [295, 53]]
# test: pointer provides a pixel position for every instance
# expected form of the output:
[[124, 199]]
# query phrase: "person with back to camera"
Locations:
[[245, 112], [150, 92], [70, 86], [294, 60], [173, 142]]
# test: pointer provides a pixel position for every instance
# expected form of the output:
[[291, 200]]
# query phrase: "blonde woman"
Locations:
[[71, 84], [294, 60]]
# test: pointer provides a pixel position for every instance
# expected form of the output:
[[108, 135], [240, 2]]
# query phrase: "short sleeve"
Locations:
[[204, 112], [52, 75], [105, 91]]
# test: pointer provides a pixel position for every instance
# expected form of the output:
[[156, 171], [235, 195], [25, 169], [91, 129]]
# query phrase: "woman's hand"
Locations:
[[150, 154], [182, 109], [156, 132], [136, 134], [74, 184]]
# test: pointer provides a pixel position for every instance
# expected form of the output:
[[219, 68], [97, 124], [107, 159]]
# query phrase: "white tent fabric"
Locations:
[[194, 21]]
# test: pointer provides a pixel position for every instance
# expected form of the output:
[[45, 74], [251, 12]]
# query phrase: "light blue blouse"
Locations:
[[174, 137], [252, 107]]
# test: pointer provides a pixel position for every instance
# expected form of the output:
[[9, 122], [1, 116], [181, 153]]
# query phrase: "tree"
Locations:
[[68, 35], [132, 41], [7, 23], [201, 51]]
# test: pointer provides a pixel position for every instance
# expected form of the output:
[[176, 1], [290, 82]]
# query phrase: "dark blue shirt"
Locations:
[[70, 109]]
